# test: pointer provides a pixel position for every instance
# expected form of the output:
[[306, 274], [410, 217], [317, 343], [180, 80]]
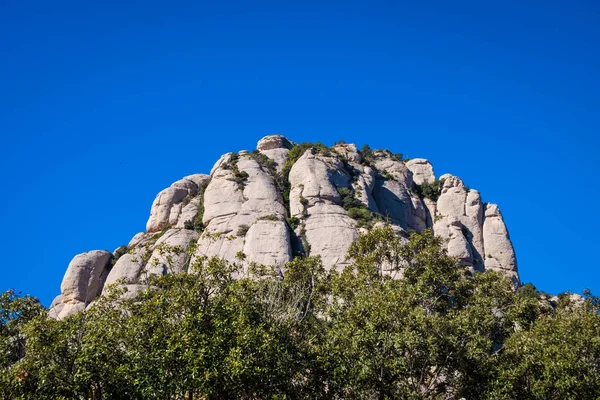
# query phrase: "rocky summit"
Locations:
[[284, 200]]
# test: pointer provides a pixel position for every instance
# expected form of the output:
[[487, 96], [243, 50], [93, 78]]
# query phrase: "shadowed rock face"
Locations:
[[238, 213]]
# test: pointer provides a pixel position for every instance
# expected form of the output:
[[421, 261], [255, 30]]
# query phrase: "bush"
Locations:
[[430, 190], [119, 252], [242, 230], [386, 175], [366, 154], [349, 199], [196, 224], [240, 176], [361, 215], [270, 217], [264, 161], [186, 200], [293, 222], [528, 290], [356, 208]]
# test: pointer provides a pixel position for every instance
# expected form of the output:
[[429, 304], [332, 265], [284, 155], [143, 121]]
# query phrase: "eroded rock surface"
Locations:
[[499, 251], [457, 203], [315, 199], [245, 211], [82, 282], [242, 193], [422, 170], [168, 207], [276, 147]]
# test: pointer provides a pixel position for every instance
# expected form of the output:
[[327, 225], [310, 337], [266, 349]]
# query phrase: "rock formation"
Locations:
[[285, 200]]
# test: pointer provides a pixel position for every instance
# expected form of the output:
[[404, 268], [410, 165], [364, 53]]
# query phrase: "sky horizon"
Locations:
[[103, 105]]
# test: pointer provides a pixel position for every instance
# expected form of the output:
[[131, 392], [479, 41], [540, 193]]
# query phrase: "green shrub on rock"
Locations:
[[430, 190]]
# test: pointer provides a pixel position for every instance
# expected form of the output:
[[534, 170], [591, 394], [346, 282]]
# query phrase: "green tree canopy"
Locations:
[[403, 320]]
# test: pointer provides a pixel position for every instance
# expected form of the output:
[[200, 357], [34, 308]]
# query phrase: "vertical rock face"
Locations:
[[169, 205], [82, 282], [242, 193], [499, 251], [457, 203], [268, 243], [251, 210], [421, 169], [394, 196], [315, 199]]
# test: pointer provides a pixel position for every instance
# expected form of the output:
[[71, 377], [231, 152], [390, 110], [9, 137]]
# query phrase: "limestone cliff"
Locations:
[[285, 200]]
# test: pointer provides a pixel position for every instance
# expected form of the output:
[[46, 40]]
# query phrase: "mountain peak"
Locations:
[[288, 200]]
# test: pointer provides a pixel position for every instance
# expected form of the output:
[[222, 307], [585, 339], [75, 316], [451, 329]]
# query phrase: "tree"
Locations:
[[15, 312], [432, 334], [401, 320], [557, 358]]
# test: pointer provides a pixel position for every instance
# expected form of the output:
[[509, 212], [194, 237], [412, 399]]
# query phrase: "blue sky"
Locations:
[[103, 105]]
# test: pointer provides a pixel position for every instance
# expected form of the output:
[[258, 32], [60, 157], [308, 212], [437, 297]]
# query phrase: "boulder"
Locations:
[[326, 228], [56, 307], [272, 142], [71, 308], [394, 196], [329, 233], [81, 284], [393, 201], [422, 170], [349, 152], [315, 179], [277, 148], [388, 165], [85, 276], [458, 246], [127, 269]]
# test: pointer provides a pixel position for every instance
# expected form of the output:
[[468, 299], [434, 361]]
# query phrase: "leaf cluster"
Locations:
[[403, 319], [356, 209], [429, 190]]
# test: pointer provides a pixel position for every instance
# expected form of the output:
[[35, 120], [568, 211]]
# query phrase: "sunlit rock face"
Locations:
[[285, 200]]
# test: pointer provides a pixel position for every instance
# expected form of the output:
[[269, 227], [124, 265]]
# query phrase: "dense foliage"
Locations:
[[357, 209], [402, 321], [430, 190]]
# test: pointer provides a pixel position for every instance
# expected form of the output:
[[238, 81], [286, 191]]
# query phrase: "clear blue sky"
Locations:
[[103, 105]]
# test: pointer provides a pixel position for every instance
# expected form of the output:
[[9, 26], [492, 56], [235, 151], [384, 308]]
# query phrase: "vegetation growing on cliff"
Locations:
[[429, 190], [197, 224], [362, 333], [356, 209]]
